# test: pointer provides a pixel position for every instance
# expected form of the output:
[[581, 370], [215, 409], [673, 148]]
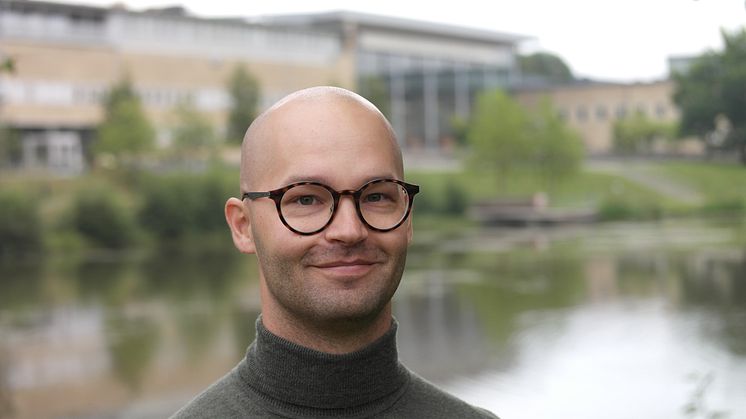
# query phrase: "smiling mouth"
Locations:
[[354, 268]]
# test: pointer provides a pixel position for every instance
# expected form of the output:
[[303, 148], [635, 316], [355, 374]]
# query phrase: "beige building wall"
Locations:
[[63, 85], [592, 109]]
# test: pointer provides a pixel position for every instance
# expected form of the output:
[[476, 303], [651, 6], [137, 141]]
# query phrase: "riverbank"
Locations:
[[120, 210]]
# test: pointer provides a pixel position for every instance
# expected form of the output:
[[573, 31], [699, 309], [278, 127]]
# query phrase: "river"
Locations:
[[630, 320]]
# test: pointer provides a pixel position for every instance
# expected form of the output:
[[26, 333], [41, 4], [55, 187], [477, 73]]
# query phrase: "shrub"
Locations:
[[612, 210], [20, 224], [101, 217], [177, 205], [456, 199]]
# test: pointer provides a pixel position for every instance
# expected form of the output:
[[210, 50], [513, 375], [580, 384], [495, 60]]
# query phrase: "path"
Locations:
[[642, 173]]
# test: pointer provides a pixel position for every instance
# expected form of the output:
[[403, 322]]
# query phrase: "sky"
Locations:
[[623, 40]]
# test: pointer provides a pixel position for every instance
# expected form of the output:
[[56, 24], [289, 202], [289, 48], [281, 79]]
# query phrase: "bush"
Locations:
[[177, 205], [613, 210], [456, 199], [20, 224], [100, 216]]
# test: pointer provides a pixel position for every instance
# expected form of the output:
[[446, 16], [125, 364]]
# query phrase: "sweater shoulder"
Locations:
[[226, 398], [424, 399]]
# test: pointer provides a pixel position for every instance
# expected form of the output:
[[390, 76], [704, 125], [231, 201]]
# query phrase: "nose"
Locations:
[[346, 227]]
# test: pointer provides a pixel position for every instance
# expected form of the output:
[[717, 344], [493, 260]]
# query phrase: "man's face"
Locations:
[[345, 272]]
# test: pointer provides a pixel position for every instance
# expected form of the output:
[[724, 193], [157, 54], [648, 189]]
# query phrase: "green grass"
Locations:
[[717, 182], [722, 186], [583, 190]]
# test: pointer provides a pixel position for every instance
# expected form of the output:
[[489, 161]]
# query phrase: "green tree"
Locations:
[[376, 90], [546, 65], [559, 150], [10, 146], [497, 135], [245, 93], [638, 133], [504, 137], [192, 133], [125, 131], [713, 88]]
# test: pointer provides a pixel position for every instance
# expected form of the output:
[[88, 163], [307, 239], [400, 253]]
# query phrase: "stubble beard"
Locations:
[[309, 298]]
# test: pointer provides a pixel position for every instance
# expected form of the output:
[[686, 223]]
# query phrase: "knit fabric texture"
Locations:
[[280, 379]]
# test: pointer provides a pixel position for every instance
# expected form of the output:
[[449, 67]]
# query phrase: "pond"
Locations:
[[644, 320]]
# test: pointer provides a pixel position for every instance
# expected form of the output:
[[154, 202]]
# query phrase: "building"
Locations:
[[592, 108], [67, 56], [422, 74]]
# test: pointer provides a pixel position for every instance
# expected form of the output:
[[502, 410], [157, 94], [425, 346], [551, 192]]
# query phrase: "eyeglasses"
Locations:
[[308, 207]]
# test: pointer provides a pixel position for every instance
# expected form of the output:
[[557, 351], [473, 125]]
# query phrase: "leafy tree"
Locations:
[[125, 131], [546, 65], [559, 150], [245, 93], [712, 88], [192, 132], [10, 146], [497, 134], [375, 89], [504, 137], [20, 224], [637, 133]]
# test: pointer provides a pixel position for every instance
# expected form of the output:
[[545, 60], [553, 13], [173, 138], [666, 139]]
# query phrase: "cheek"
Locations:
[[395, 242]]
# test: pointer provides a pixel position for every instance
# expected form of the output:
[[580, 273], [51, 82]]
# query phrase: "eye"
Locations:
[[307, 200], [374, 197]]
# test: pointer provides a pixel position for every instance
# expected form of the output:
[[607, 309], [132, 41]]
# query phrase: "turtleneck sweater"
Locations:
[[281, 379]]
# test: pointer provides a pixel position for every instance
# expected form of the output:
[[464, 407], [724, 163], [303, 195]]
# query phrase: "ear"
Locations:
[[237, 216]]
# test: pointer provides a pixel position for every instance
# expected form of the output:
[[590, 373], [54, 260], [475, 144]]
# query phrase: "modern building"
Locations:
[[421, 74], [68, 56]]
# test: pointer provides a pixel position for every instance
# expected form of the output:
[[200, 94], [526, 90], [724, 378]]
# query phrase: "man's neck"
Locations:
[[332, 336]]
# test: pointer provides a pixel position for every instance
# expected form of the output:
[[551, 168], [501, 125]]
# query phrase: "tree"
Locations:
[[559, 150], [638, 133], [504, 137], [497, 134], [10, 146], [192, 132], [548, 66], [245, 93], [125, 131], [712, 88], [376, 90]]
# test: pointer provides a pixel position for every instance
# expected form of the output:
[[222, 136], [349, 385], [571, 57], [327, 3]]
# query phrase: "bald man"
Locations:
[[326, 211]]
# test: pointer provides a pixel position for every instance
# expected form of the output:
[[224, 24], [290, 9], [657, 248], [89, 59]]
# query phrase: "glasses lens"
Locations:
[[384, 204], [307, 208]]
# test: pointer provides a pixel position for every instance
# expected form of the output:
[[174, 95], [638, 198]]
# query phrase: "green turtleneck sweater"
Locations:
[[280, 379]]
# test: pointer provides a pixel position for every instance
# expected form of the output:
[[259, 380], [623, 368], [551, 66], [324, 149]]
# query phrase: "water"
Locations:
[[612, 321]]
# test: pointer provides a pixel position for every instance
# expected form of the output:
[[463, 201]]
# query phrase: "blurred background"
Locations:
[[580, 238]]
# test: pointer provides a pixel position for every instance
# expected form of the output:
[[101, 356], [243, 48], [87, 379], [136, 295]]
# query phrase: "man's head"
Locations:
[[348, 272]]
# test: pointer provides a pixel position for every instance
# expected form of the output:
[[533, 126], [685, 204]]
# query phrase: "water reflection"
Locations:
[[524, 322]]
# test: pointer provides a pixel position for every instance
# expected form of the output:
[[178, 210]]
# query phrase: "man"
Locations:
[[326, 211]]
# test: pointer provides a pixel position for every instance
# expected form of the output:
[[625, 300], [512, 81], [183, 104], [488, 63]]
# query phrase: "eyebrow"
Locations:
[[327, 181]]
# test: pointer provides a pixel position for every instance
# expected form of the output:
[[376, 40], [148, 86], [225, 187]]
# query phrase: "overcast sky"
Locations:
[[623, 40]]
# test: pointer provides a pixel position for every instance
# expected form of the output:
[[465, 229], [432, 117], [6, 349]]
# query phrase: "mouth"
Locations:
[[346, 268]]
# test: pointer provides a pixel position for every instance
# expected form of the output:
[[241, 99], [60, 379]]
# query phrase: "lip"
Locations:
[[346, 268]]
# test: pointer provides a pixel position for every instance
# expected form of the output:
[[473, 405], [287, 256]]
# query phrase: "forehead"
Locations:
[[339, 142]]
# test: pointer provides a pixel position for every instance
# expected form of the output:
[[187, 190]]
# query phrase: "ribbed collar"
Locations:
[[298, 381]]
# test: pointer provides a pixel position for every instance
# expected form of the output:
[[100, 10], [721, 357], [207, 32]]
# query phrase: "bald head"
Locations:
[[324, 117]]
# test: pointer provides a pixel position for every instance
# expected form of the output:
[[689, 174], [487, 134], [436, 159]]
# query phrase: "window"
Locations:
[[581, 113], [601, 113], [621, 111]]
